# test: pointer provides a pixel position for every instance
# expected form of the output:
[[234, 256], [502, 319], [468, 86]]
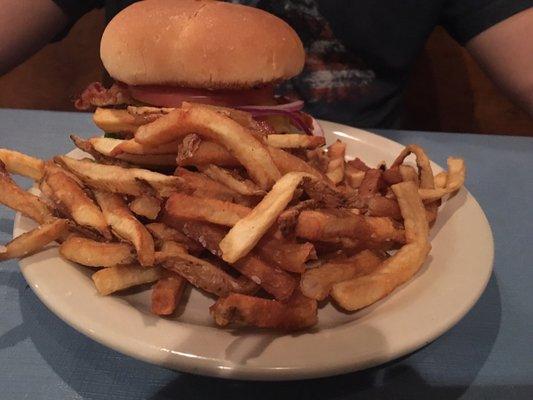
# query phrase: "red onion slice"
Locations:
[[293, 106]]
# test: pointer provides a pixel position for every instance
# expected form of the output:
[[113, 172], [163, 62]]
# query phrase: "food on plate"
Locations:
[[212, 182]]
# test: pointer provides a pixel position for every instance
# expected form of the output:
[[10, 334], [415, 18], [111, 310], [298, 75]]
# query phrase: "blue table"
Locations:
[[488, 355]]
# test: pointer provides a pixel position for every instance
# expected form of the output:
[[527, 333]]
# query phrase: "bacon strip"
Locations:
[[96, 95]]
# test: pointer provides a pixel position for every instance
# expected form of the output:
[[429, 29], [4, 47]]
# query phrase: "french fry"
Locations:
[[371, 183], [169, 250], [362, 291], [408, 174], [166, 294], [163, 233], [209, 124], [455, 179], [115, 121], [392, 176], [244, 187], [126, 226], [422, 161], [34, 240], [66, 192], [379, 206], [22, 164], [335, 171], [270, 277], [440, 179], [132, 147], [353, 176], [96, 254], [206, 276], [286, 162], [295, 141], [146, 206], [298, 313], [184, 207], [12, 196], [87, 147], [108, 148], [288, 256], [132, 181], [316, 283], [249, 230], [206, 153], [120, 277], [287, 219], [330, 224], [203, 186]]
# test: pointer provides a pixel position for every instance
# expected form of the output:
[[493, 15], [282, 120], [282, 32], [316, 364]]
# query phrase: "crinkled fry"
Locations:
[[120, 277], [12, 196], [184, 207], [316, 283], [212, 125], [111, 178], [65, 191], [96, 254], [34, 240], [298, 313], [22, 164], [126, 226], [398, 269], [294, 141], [455, 179], [249, 230]]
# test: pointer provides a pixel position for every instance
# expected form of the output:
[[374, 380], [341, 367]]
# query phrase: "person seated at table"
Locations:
[[359, 53]]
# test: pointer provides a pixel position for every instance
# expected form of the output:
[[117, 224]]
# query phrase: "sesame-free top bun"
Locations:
[[199, 44]]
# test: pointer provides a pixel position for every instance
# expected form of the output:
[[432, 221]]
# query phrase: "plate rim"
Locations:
[[208, 367]]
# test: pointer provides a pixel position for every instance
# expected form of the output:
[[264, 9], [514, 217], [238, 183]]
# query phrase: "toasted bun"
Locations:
[[199, 44]]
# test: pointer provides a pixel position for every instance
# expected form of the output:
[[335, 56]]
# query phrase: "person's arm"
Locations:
[[25, 27], [505, 52]]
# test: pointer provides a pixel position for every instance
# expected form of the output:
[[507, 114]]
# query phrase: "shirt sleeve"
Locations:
[[75, 9], [464, 19]]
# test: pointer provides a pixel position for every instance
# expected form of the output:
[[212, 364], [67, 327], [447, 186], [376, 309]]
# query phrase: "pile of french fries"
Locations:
[[271, 223]]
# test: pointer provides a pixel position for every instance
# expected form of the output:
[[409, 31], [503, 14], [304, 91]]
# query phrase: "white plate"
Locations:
[[447, 286]]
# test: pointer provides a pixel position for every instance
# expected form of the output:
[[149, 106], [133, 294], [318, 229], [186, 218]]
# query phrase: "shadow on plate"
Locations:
[[100, 372]]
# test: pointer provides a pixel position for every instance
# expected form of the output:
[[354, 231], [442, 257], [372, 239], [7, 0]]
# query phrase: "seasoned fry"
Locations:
[[96, 254], [239, 141], [295, 141], [166, 294], [120, 277], [132, 181], [146, 206], [398, 269], [298, 313], [271, 278], [455, 178], [66, 192], [115, 121], [316, 283], [34, 240], [249, 230], [335, 171], [184, 207], [22, 164], [205, 275], [126, 226], [331, 224], [244, 187], [12, 196]]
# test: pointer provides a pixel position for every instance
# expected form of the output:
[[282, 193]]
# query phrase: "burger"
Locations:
[[162, 53]]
